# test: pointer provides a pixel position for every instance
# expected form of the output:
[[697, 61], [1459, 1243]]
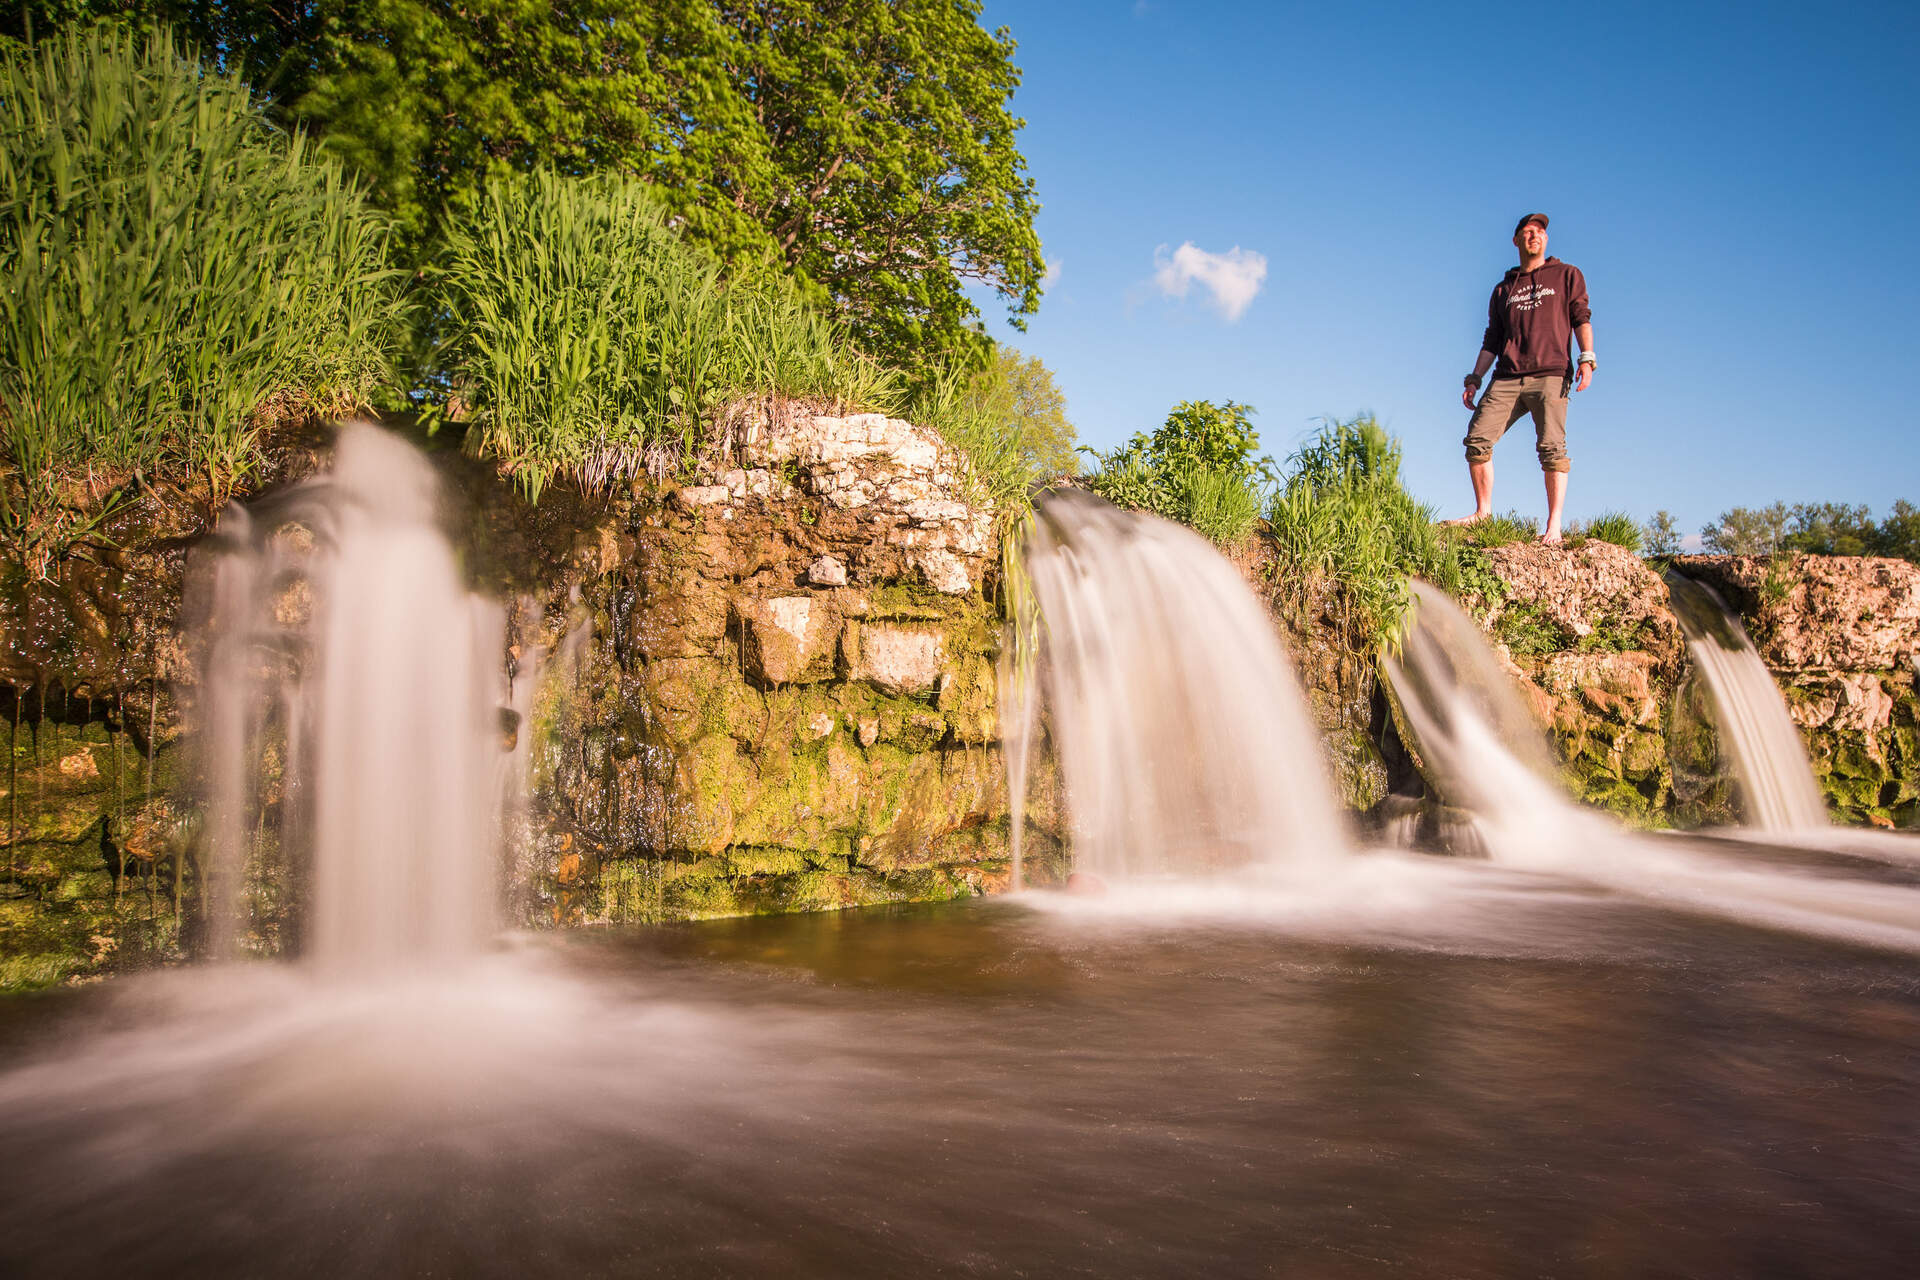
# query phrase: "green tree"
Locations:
[[867, 144], [1019, 393], [1899, 533], [1662, 534], [1830, 529], [1747, 531]]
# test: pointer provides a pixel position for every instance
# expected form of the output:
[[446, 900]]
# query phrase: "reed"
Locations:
[[1342, 522], [578, 334], [171, 267]]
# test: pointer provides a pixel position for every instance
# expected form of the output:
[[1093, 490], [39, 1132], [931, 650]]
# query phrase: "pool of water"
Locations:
[[1414, 1068]]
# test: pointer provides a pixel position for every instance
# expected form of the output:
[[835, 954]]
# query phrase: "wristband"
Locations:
[[1586, 357], [1473, 382]]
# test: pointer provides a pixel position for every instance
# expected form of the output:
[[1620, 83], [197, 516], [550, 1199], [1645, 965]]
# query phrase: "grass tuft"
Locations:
[[1342, 522], [170, 267]]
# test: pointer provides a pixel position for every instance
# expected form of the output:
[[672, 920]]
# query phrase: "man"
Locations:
[[1534, 311]]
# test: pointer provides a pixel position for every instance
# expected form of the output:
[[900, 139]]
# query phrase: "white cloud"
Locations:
[[1051, 274], [1693, 544], [1233, 277]]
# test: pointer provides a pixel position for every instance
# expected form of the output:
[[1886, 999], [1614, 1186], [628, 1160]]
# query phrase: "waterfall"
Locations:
[[1180, 731], [1768, 757], [1471, 731], [351, 686]]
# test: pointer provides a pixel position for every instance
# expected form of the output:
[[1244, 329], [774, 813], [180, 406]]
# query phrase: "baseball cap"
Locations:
[[1540, 218]]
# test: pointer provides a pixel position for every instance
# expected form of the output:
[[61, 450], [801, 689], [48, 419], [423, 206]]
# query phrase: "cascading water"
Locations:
[[343, 645], [1180, 730], [1477, 741], [1769, 759]]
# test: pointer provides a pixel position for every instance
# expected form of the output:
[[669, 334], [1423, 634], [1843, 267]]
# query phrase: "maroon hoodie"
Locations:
[[1531, 317]]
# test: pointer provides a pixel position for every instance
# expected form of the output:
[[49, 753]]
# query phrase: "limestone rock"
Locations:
[[827, 571], [1596, 593], [700, 495], [944, 571], [1828, 613], [789, 639], [899, 659]]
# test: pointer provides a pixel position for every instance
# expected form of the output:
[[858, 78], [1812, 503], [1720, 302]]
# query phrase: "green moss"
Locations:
[[1528, 630]]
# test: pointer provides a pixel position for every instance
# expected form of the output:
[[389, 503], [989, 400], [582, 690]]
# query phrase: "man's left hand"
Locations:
[[1586, 378]]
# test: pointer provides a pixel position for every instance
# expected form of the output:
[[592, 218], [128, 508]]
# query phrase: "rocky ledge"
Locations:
[[1841, 635]]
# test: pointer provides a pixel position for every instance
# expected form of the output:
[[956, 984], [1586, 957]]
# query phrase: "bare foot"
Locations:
[[1551, 538], [1461, 522]]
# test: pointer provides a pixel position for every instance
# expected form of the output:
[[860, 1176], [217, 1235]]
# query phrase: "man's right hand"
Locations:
[[1466, 396]]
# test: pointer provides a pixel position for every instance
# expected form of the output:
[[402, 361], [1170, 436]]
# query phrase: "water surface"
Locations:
[[1426, 1069]]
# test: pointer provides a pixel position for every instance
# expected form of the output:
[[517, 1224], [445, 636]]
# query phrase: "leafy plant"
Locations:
[[1500, 530], [1197, 468], [173, 270]]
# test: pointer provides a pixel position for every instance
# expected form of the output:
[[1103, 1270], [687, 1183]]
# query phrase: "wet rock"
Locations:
[[789, 639]]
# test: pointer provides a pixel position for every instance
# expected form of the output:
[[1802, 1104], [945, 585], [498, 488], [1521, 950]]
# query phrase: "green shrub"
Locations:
[[581, 335], [1343, 520], [1198, 468], [1219, 505], [171, 266]]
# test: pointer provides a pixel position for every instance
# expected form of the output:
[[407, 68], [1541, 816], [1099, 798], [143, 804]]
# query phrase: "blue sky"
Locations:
[[1737, 182]]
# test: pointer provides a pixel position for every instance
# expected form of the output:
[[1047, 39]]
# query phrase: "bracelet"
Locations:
[[1586, 357], [1473, 382]]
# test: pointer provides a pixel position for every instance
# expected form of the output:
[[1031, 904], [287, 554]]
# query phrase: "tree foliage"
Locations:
[[1198, 468], [1818, 528], [1018, 392], [866, 144], [1662, 534]]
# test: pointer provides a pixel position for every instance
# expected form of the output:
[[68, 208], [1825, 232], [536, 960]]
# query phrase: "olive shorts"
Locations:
[[1544, 395]]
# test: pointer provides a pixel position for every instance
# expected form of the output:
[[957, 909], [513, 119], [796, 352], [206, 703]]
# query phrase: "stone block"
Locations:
[[944, 571], [789, 639], [896, 659]]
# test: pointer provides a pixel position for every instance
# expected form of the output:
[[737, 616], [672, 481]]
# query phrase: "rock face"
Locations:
[[785, 681], [1841, 635], [1590, 632]]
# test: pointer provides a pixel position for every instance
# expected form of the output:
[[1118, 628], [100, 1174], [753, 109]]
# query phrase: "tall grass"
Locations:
[[582, 336], [1342, 522], [169, 265], [1617, 527]]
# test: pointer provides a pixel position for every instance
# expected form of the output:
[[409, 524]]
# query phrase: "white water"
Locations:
[[1527, 821], [1180, 730], [1757, 736], [342, 640]]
